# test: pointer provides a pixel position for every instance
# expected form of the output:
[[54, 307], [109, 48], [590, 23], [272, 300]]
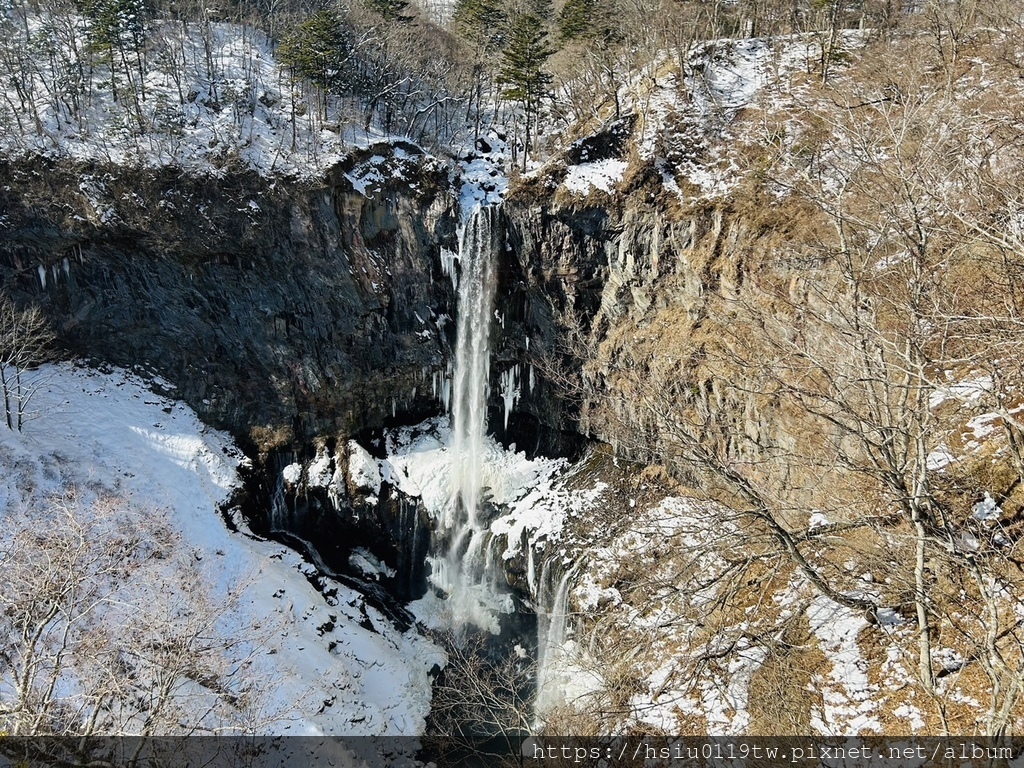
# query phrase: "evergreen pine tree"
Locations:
[[592, 21], [482, 23], [319, 50], [574, 19], [116, 33], [522, 72], [115, 24]]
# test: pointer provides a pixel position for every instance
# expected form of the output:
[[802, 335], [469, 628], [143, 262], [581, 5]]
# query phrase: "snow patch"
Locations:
[[319, 472], [939, 459], [482, 173], [602, 175], [987, 510], [967, 392], [848, 704], [363, 470], [292, 473]]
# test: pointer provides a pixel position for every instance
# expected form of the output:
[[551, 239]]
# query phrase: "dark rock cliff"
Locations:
[[611, 284], [286, 311], [299, 315], [280, 310], [555, 268]]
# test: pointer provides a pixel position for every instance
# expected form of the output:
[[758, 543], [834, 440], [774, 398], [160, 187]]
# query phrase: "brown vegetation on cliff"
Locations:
[[830, 352]]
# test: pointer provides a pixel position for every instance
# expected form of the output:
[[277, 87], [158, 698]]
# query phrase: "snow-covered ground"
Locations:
[[598, 174], [204, 97], [483, 174], [330, 663], [213, 96]]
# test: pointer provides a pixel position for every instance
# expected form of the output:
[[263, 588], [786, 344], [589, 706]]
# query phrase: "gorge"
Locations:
[[706, 421]]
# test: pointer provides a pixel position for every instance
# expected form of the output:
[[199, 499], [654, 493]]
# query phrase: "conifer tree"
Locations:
[[115, 24], [482, 23], [522, 72], [319, 50], [591, 21], [574, 20], [116, 31]]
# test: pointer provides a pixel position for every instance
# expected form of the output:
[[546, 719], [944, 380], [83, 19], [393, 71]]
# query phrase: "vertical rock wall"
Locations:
[[280, 310]]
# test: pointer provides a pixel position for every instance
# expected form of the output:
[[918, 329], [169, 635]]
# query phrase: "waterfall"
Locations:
[[478, 249], [552, 629], [278, 519], [464, 567], [278, 509], [464, 572]]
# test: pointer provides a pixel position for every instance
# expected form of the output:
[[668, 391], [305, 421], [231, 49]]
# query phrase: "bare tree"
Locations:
[[25, 339], [111, 630], [811, 381], [481, 702]]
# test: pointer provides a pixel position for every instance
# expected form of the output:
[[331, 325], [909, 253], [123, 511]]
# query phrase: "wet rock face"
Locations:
[[579, 274], [373, 536], [280, 310], [285, 311], [555, 268]]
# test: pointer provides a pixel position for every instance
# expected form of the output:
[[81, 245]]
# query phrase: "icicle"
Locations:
[[531, 378], [42, 275], [531, 577], [394, 408], [527, 343], [66, 266], [446, 387], [448, 259], [413, 524], [509, 390]]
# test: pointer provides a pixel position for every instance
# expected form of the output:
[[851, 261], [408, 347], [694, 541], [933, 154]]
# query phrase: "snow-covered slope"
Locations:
[[330, 663], [213, 96], [687, 122]]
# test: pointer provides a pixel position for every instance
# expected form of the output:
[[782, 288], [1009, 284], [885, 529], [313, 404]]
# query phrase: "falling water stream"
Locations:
[[552, 616], [464, 569], [478, 250]]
